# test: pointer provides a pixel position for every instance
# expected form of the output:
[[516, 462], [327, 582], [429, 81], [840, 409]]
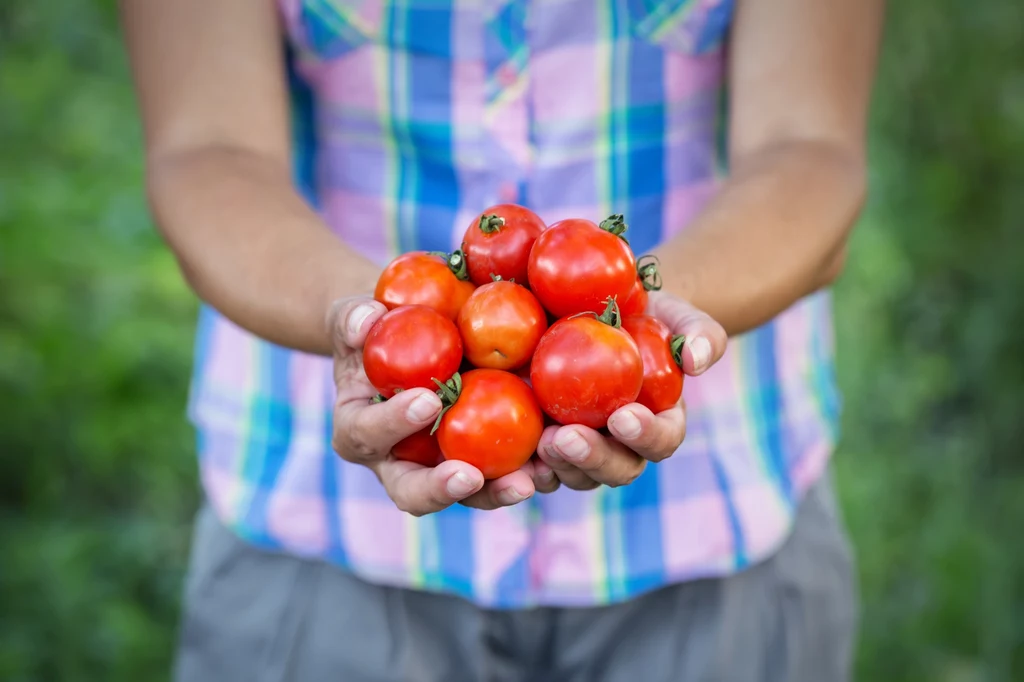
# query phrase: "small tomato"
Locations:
[[434, 280], [586, 367], [498, 242], [493, 421], [662, 357], [575, 266], [421, 448], [500, 325], [409, 347]]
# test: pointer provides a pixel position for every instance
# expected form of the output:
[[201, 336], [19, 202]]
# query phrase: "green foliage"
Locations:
[[930, 322], [97, 476], [97, 473]]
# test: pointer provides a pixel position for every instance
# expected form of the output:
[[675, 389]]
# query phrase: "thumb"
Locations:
[[706, 340], [349, 320], [366, 432]]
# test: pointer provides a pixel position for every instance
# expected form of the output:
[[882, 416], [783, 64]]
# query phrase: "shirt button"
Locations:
[[508, 192], [507, 75]]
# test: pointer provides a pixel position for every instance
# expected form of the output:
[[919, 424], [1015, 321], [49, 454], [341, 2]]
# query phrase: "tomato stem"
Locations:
[[498, 278], [449, 393], [377, 399], [647, 271], [489, 224], [615, 224], [456, 261], [611, 316], [676, 346], [457, 264]]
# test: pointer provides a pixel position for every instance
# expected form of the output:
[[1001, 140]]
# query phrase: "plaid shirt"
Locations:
[[410, 116]]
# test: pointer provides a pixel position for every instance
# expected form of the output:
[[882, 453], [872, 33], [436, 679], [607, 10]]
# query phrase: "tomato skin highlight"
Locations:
[[663, 377], [495, 424], [498, 242], [500, 325], [422, 278], [421, 448], [410, 346], [575, 266], [584, 369]]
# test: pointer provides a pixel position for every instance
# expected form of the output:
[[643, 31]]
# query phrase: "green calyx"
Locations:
[[377, 399], [489, 224], [499, 278], [457, 264], [456, 261], [449, 393], [676, 346], [611, 315], [616, 224], [648, 272]]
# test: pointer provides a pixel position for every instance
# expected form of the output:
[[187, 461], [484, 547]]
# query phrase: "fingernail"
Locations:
[[459, 485], [423, 407], [700, 349], [357, 317], [571, 445], [510, 496], [626, 424]]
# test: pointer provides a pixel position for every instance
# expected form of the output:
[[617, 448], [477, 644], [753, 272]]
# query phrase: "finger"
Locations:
[[503, 492], [652, 436], [419, 490], [706, 340], [544, 478], [364, 433], [602, 459], [574, 479], [566, 474], [350, 320]]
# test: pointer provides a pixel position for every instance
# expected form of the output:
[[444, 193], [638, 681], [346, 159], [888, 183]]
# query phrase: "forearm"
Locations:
[[774, 233], [250, 246]]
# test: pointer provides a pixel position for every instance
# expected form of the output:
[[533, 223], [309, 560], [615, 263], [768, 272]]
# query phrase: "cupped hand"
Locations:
[[365, 433], [582, 458]]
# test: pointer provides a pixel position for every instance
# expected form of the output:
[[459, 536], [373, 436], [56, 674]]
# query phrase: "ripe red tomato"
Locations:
[[661, 353], [494, 422], [500, 325], [647, 279], [586, 367], [575, 266], [421, 447], [498, 242], [409, 347], [434, 280]]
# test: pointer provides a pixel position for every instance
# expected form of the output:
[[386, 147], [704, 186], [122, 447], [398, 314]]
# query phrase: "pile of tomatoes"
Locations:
[[526, 324]]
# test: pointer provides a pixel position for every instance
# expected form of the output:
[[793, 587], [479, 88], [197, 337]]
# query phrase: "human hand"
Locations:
[[583, 458], [365, 433]]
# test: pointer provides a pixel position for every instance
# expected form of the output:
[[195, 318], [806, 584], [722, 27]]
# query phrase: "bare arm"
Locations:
[[800, 81], [211, 86]]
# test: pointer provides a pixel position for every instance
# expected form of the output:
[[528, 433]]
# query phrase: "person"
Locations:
[[294, 148]]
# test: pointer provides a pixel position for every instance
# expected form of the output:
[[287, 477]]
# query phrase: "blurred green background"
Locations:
[[97, 476]]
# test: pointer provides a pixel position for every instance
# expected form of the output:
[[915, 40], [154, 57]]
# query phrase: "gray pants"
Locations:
[[252, 616]]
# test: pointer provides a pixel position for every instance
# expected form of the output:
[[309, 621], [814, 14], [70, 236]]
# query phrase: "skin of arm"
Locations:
[[800, 75], [214, 107], [212, 92]]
